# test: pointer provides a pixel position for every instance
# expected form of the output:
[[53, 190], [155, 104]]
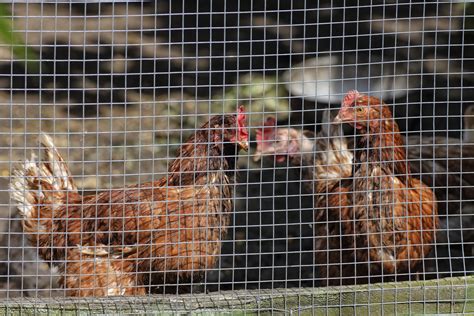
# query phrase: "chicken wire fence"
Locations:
[[156, 205]]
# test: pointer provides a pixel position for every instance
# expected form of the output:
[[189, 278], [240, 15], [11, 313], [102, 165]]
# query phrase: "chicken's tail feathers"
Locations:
[[38, 183], [55, 163]]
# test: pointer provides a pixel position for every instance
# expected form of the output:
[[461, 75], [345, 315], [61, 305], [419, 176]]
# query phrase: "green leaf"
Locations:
[[19, 49]]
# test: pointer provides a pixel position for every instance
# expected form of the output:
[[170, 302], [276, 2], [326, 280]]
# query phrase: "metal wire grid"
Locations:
[[121, 86]]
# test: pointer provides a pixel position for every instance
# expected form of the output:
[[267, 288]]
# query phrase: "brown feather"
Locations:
[[381, 224], [162, 231]]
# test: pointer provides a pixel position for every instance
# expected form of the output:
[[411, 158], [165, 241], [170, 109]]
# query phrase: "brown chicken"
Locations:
[[388, 219], [380, 222], [444, 164], [135, 239]]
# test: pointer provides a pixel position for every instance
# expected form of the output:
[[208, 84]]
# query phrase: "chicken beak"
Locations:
[[244, 145]]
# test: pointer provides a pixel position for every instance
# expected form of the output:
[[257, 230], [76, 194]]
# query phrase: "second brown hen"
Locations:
[[381, 224], [373, 221]]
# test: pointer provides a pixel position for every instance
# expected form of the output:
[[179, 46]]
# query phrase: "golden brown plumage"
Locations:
[[367, 209], [381, 223], [95, 271], [137, 238]]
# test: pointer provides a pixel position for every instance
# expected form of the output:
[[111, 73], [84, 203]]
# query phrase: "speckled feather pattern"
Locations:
[[381, 223], [135, 239]]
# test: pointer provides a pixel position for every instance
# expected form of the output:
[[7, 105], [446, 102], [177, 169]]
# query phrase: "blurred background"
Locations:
[[121, 85]]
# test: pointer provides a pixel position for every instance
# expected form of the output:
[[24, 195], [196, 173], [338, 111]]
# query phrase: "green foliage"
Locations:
[[20, 51], [260, 94]]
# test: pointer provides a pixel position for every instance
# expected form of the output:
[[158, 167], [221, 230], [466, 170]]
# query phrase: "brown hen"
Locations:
[[373, 220], [380, 224], [135, 239]]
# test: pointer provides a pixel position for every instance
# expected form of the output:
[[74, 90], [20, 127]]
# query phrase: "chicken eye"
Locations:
[[359, 110]]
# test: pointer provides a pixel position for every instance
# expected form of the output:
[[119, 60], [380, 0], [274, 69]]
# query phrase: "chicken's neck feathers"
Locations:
[[385, 148], [197, 163]]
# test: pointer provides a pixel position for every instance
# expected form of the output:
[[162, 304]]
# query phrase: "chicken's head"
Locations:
[[266, 140], [363, 112], [229, 129], [282, 143]]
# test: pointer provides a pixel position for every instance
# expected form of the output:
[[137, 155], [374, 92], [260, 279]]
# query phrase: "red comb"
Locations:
[[241, 117], [241, 122], [268, 130], [350, 98]]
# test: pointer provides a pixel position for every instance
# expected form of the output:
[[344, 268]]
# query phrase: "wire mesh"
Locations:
[[121, 87]]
